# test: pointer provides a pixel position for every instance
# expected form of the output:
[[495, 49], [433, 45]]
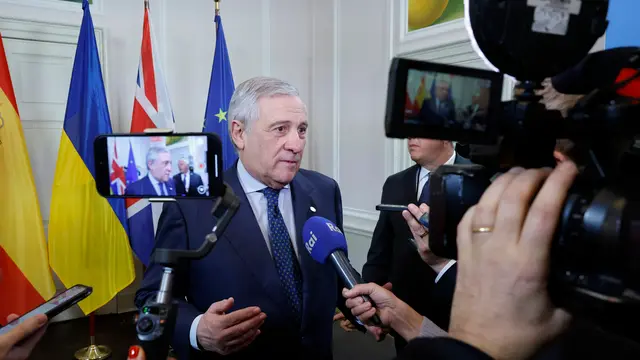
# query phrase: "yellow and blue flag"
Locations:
[[88, 241], [221, 89]]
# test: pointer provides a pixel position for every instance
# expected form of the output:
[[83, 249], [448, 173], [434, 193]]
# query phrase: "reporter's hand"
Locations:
[[501, 304], [421, 236], [393, 312], [227, 333], [347, 326], [18, 343]]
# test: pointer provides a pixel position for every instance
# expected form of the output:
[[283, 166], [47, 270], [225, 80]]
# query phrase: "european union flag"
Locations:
[[221, 88], [132, 169]]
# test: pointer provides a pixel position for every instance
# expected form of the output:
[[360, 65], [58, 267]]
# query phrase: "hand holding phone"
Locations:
[[19, 341]]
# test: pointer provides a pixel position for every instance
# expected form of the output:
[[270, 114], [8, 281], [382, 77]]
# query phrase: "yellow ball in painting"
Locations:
[[423, 13]]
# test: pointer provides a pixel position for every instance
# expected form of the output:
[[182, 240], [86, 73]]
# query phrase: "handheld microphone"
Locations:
[[324, 240]]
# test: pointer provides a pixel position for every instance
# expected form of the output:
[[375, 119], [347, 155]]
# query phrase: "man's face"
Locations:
[[183, 166], [272, 148], [160, 168], [442, 91], [426, 150]]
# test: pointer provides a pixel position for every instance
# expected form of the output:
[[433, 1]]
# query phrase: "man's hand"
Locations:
[[421, 236], [227, 333], [18, 343], [392, 311], [501, 304], [345, 324]]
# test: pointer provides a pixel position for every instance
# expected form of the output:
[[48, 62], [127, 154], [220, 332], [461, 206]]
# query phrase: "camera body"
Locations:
[[598, 238]]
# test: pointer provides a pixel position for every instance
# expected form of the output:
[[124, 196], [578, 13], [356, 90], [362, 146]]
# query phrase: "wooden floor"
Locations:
[[117, 331]]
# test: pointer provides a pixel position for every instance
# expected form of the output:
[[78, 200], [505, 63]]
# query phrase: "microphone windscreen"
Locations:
[[322, 237]]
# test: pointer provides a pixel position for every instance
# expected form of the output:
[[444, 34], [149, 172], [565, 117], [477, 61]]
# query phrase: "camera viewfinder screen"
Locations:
[[447, 101], [162, 166]]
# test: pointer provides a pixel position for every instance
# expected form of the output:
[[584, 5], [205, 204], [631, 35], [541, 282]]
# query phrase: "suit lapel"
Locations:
[[304, 197], [409, 184], [245, 236]]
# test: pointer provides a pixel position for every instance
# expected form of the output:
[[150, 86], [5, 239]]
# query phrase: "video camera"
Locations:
[[595, 259]]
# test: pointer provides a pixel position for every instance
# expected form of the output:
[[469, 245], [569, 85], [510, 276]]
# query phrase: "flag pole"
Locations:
[[217, 7], [93, 351]]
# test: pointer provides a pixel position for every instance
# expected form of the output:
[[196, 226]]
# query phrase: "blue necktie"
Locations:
[[163, 189], [284, 256], [424, 195]]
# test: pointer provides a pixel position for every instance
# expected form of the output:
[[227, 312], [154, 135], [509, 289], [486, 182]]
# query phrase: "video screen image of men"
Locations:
[[444, 100], [163, 166]]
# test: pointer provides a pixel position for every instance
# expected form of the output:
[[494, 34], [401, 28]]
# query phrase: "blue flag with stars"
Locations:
[[221, 88]]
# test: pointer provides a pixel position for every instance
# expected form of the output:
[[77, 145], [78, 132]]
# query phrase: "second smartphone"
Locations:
[[187, 165]]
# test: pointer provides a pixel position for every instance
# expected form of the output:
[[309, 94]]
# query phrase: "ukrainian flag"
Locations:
[[88, 241]]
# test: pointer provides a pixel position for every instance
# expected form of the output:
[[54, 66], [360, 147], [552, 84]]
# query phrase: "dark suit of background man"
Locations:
[[187, 182], [392, 257], [258, 294], [439, 109], [158, 180]]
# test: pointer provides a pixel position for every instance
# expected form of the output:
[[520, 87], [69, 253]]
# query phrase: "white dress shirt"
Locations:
[[422, 180], [252, 188], [156, 185]]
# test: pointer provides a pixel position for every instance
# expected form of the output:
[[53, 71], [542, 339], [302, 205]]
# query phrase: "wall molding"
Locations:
[[360, 222], [97, 8], [336, 91]]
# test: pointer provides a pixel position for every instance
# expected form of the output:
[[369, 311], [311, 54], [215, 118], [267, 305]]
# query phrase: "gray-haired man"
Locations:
[[158, 180], [258, 294]]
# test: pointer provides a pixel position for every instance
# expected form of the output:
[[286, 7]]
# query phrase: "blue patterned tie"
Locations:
[[284, 256], [424, 195]]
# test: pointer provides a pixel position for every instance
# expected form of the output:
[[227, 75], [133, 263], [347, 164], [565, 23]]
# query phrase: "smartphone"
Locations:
[[177, 165], [55, 306], [388, 207], [424, 219]]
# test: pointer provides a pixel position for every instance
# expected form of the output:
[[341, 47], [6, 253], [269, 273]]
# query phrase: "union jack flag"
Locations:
[[117, 176], [151, 109]]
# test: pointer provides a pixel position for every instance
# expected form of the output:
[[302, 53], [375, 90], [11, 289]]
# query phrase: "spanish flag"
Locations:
[[88, 241], [26, 280]]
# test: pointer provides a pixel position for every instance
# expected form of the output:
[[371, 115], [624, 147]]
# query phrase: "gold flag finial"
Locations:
[[217, 7]]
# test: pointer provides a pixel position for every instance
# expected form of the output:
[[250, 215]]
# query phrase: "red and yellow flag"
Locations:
[[26, 280]]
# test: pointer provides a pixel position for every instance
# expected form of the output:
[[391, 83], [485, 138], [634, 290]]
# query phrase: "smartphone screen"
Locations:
[[152, 166], [53, 307]]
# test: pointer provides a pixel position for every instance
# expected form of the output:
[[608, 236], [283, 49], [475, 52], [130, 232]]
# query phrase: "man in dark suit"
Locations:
[[440, 108], [158, 179], [187, 182], [392, 257], [258, 294]]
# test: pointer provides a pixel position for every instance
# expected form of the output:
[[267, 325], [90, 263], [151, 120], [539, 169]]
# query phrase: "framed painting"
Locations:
[[422, 14]]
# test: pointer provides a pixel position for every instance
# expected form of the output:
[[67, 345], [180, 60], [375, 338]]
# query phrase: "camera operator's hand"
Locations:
[[421, 236], [18, 343], [393, 312], [501, 304], [227, 333]]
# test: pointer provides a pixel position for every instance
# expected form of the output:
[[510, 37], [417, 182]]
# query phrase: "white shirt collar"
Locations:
[[248, 182], [424, 171]]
